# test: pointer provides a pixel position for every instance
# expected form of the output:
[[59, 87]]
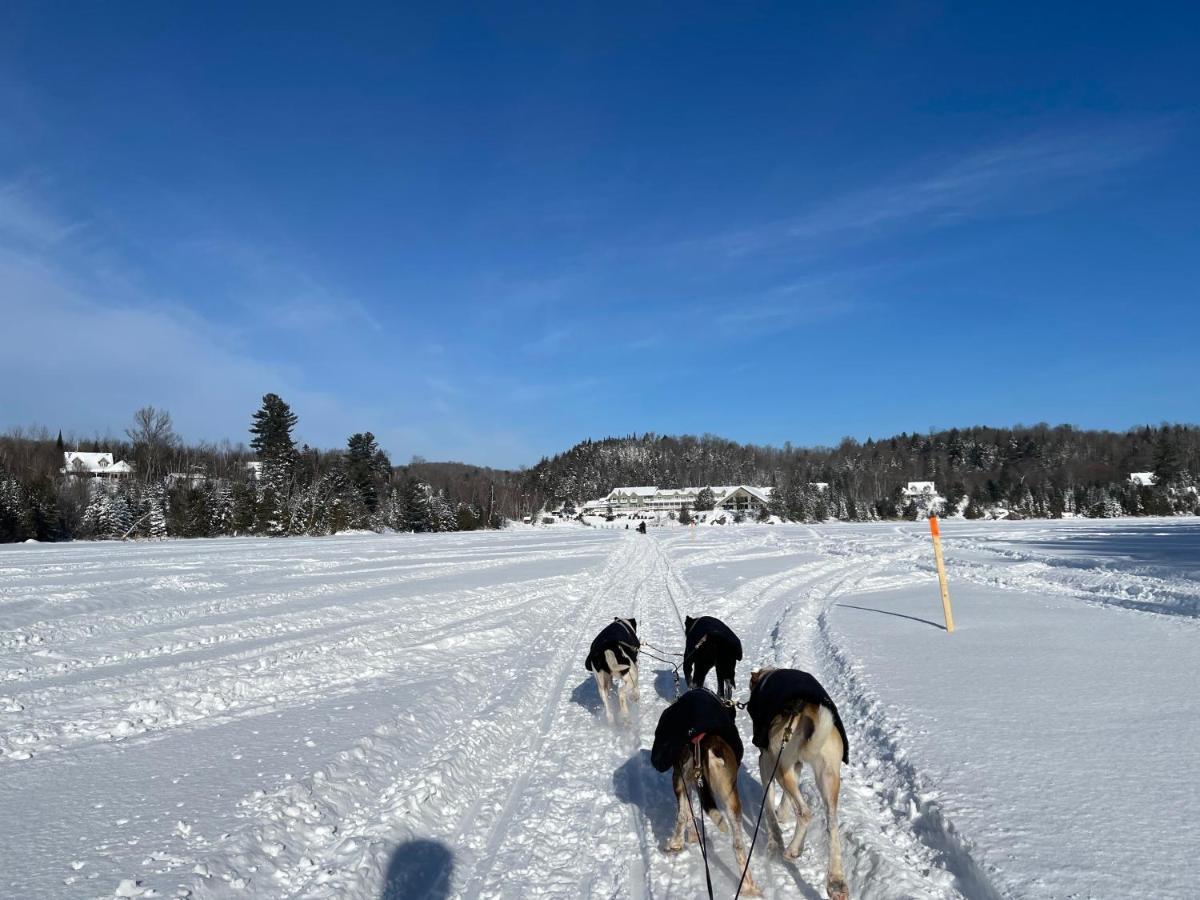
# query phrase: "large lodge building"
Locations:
[[729, 498]]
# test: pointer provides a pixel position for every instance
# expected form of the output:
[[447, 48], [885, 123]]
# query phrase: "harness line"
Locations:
[[699, 825], [787, 736]]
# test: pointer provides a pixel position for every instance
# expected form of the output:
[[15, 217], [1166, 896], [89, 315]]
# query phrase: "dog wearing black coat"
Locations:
[[796, 722], [709, 644], [614, 654], [697, 739]]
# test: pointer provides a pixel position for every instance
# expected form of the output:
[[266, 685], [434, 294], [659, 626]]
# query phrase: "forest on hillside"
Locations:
[[1037, 471], [276, 487]]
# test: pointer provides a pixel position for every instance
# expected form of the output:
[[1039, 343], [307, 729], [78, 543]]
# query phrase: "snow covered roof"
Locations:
[[647, 493], [760, 493], [921, 487], [639, 491], [77, 462], [1145, 479]]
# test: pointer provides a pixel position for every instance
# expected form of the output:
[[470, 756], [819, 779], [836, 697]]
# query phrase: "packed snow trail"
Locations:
[[401, 716]]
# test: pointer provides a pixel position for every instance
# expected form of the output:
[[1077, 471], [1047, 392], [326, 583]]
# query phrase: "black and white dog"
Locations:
[[710, 643], [614, 654], [796, 722]]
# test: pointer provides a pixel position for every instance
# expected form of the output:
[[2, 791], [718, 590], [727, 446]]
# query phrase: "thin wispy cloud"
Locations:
[[1034, 172], [270, 287], [550, 342], [26, 221]]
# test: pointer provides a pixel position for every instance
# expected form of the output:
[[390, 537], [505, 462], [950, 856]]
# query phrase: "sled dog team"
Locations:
[[795, 722]]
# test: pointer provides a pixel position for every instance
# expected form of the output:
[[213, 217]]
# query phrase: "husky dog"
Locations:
[[614, 654], [793, 702], [710, 643], [697, 738]]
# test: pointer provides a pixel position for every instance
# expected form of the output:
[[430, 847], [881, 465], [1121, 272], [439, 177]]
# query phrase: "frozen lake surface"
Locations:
[[406, 716]]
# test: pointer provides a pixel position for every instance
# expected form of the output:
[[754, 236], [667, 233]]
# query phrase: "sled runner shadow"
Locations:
[[637, 783], [752, 793], [886, 612], [419, 869], [585, 694]]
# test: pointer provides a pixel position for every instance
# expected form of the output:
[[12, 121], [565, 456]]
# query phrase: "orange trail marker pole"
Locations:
[[941, 570]]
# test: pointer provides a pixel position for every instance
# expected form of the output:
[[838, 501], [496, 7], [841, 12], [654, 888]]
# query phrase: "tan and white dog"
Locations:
[[791, 703], [697, 740]]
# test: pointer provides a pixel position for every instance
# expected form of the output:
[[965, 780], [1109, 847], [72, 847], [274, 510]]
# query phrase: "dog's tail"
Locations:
[[810, 725], [614, 665], [823, 727]]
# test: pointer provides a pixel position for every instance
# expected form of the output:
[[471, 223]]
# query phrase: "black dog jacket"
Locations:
[[708, 636], [696, 712], [784, 692], [618, 637]]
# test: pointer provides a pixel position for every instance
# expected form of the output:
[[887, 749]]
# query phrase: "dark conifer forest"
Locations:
[[276, 487]]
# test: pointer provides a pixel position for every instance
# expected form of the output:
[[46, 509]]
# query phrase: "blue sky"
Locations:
[[487, 232]]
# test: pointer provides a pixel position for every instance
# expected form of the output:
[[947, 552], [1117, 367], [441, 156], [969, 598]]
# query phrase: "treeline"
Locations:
[[1037, 472], [274, 487]]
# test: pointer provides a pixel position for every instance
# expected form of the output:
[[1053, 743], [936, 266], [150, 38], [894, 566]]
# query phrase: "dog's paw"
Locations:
[[838, 889], [750, 889], [793, 852], [673, 846], [785, 812]]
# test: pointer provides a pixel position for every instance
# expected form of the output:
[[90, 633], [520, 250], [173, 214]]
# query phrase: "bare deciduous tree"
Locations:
[[152, 435]]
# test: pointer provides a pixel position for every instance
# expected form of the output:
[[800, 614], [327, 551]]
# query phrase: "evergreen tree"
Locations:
[[156, 515], [245, 508], [418, 504], [272, 429], [396, 514], [12, 528], [442, 512], [685, 516], [467, 518], [706, 500], [1168, 460], [221, 510], [367, 468]]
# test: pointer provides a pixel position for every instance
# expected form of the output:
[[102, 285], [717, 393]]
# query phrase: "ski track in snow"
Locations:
[[439, 726]]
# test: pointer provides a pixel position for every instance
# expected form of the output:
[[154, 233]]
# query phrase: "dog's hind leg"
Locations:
[[725, 672], [603, 683], [623, 696], [632, 675], [789, 780], [774, 833], [722, 775], [675, 842], [829, 781], [699, 674]]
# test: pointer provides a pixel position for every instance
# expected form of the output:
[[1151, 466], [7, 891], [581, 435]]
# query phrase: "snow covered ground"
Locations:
[[408, 716]]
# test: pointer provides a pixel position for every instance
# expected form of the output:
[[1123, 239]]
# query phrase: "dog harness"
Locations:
[[784, 692], [706, 630], [697, 713], [621, 639]]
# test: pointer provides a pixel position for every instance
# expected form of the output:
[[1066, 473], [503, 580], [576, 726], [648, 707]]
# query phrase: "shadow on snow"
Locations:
[[419, 869]]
